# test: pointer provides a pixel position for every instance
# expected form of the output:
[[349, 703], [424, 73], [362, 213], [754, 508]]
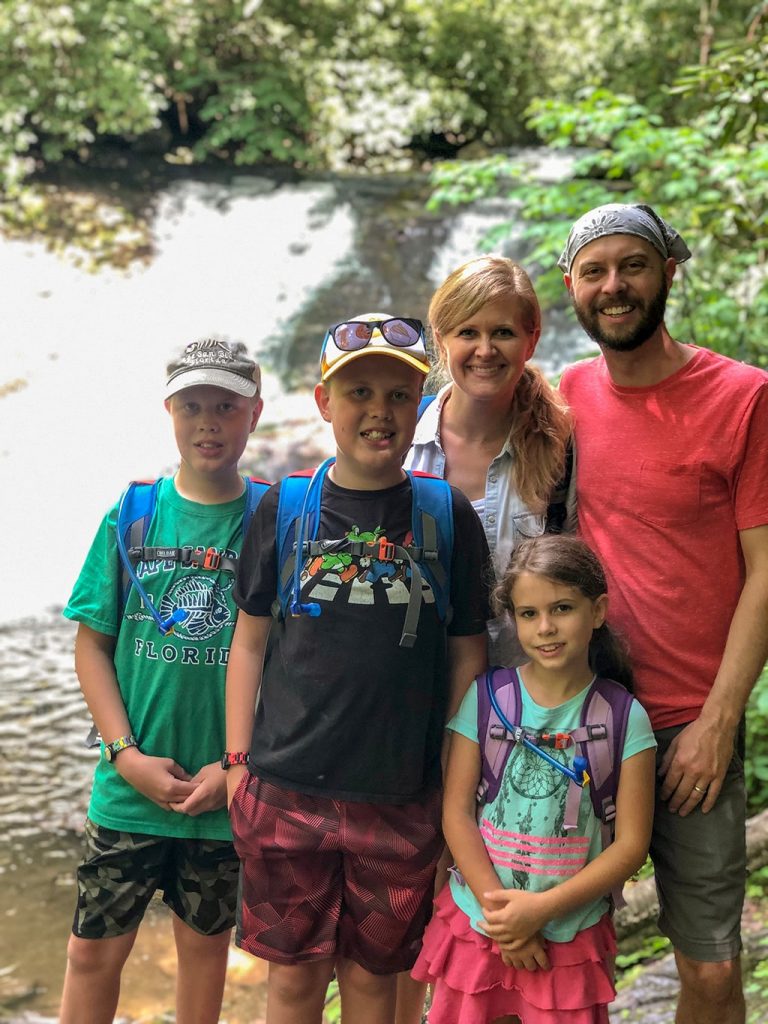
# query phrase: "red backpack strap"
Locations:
[[494, 739]]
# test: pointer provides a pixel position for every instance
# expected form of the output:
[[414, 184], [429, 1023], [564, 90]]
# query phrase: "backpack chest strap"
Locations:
[[187, 556], [382, 550], [555, 740]]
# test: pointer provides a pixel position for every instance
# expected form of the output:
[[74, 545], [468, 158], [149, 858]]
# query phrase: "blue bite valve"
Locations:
[[580, 767], [312, 609], [178, 616]]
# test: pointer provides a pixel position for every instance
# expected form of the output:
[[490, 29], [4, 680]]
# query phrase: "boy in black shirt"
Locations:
[[335, 793]]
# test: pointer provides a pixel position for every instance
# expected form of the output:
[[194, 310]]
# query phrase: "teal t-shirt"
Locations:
[[523, 827], [172, 686]]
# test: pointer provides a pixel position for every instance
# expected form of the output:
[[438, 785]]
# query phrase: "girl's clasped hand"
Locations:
[[518, 915]]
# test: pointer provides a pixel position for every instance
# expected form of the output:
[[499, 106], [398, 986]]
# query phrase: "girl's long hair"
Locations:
[[541, 424], [566, 559]]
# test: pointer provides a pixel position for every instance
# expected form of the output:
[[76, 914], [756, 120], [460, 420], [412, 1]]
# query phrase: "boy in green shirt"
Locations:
[[157, 817]]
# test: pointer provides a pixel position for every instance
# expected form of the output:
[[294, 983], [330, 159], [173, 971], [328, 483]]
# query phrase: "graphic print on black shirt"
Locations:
[[323, 577]]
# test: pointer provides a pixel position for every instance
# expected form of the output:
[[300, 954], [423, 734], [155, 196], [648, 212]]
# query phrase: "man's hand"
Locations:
[[210, 794], [159, 779], [529, 955], [511, 915], [694, 766]]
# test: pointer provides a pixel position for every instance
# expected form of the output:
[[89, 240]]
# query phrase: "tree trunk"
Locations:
[[642, 904]]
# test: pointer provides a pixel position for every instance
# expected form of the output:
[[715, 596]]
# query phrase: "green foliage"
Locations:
[[332, 1008], [708, 177], [735, 87], [757, 886], [56, 96], [654, 946], [340, 83], [756, 762], [321, 81]]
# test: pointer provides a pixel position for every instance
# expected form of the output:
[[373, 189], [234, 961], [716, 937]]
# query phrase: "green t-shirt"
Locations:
[[523, 827], [172, 686]]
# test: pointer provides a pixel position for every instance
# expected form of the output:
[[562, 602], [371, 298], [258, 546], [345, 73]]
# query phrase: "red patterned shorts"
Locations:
[[324, 878]]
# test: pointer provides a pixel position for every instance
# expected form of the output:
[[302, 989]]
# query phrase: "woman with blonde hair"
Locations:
[[497, 430]]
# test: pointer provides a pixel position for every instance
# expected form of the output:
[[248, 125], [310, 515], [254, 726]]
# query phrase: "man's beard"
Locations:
[[633, 337]]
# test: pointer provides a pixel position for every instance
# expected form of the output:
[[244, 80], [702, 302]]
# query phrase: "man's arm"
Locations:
[[701, 753], [246, 658]]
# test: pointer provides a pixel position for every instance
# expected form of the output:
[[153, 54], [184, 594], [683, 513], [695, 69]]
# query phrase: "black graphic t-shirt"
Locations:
[[343, 709]]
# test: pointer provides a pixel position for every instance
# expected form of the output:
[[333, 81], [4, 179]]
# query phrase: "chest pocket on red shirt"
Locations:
[[669, 493]]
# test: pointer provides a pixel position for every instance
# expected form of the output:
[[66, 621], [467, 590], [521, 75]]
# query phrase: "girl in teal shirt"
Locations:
[[523, 931]]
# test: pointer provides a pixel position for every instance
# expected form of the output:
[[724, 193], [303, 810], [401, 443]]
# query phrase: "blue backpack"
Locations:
[[600, 738], [135, 512], [429, 556]]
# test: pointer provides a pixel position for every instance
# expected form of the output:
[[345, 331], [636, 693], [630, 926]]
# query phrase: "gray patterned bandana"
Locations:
[[623, 219]]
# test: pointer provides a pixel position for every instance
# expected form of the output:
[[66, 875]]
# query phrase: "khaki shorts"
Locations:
[[122, 870], [701, 868]]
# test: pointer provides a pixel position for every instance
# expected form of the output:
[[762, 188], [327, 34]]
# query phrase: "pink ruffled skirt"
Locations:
[[474, 986]]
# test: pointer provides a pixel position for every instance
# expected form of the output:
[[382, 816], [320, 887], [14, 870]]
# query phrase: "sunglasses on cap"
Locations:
[[352, 335]]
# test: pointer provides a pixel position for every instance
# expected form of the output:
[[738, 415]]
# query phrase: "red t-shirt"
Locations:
[[667, 476]]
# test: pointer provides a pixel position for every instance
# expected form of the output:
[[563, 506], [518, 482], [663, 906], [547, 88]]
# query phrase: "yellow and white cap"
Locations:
[[371, 334]]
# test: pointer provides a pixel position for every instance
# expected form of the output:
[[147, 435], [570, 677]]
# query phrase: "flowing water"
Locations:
[[81, 378]]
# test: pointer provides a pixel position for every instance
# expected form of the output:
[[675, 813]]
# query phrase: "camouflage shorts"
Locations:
[[122, 870]]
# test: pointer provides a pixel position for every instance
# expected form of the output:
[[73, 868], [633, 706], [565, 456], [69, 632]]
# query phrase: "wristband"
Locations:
[[238, 757], [111, 750]]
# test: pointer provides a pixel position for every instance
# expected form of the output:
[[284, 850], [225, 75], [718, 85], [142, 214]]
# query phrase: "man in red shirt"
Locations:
[[672, 491]]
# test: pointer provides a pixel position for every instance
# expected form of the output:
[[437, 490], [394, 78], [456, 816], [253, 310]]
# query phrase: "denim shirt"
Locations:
[[507, 520]]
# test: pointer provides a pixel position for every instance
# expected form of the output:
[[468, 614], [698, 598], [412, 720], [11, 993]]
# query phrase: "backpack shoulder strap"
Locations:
[[557, 510], [293, 491], [135, 512], [424, 404], [433, 536], [495, 741], [255, 489], [603, 729], [610, 701], [604, 717]]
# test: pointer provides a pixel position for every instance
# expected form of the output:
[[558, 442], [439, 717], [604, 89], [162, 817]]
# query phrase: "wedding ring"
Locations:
[[698, 789]]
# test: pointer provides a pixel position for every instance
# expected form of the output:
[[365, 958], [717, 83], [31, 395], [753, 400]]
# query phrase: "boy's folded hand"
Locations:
[[210, 794], [159, 779]]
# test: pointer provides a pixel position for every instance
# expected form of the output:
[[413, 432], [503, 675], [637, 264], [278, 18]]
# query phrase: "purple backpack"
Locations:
[[599, 737]]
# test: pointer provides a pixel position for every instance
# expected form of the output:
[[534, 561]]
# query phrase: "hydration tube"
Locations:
[[296, 607], [164, 625], [577, 774]]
